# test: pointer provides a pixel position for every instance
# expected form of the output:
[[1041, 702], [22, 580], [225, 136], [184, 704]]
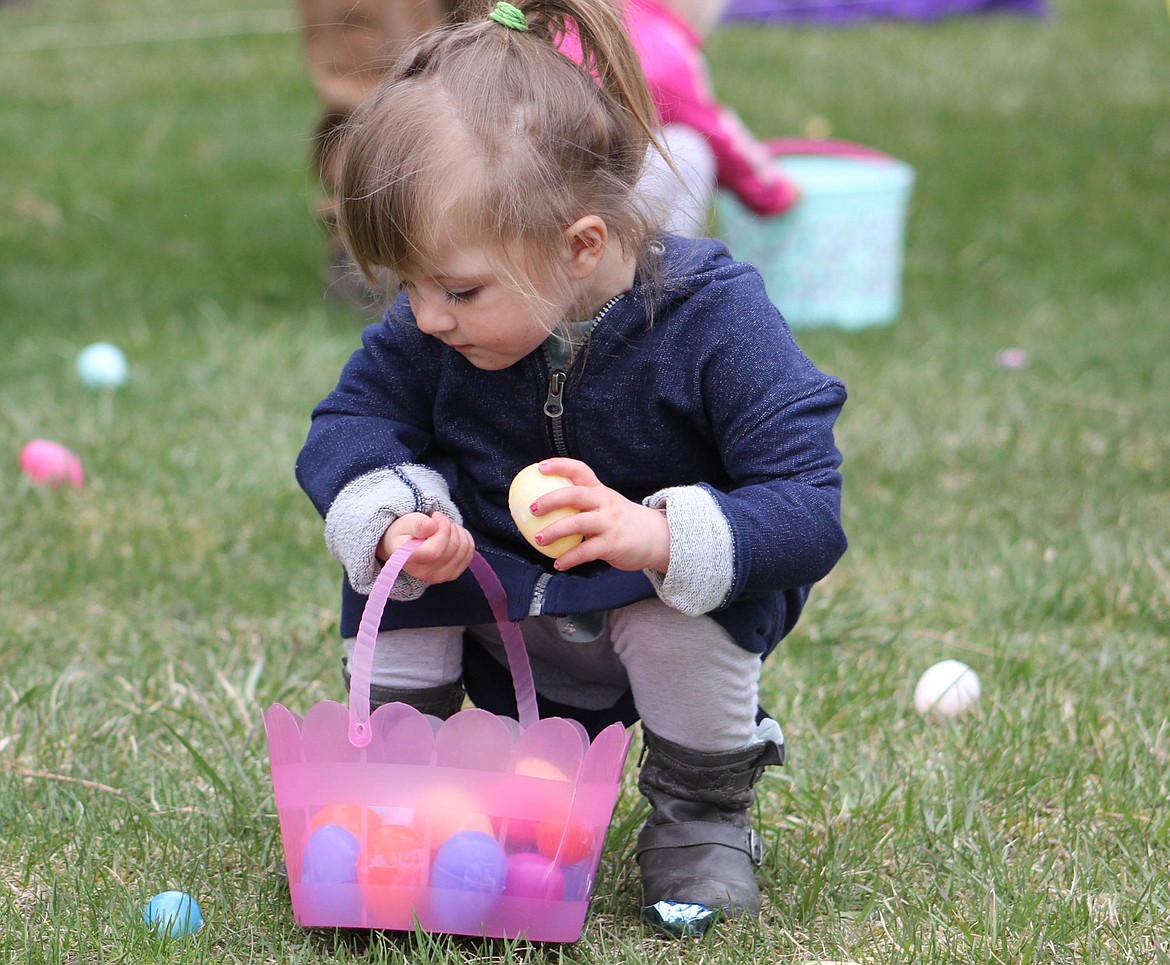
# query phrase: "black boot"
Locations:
[[442, 701], [697, 851]]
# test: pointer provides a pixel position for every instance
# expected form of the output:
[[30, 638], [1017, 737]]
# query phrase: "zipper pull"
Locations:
[[554, 403]]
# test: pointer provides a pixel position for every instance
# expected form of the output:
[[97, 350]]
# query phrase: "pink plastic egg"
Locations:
[[48, 463], [533, 875]]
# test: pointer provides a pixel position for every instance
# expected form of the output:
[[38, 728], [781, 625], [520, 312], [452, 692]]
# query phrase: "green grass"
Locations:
[[155, 188]]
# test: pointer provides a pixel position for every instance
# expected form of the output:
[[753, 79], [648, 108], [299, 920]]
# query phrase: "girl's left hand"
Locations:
[[446, 550], [625, 534]]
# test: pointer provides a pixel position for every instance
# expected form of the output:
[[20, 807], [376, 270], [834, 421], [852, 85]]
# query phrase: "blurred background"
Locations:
[[1007, 488]]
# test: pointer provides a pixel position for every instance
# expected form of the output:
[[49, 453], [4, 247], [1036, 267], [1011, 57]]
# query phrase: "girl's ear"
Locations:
[[587, 238]]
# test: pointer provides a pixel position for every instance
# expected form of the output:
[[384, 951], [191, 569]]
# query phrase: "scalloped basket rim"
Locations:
[[328, 721]]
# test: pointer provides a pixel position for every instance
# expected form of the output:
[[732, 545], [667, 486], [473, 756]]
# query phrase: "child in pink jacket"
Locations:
[[708, 143], [671, 52]]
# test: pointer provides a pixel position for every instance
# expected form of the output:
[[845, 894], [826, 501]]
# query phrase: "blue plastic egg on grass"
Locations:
[[102, 366], [331, 857], [173, 913], [467, 879]]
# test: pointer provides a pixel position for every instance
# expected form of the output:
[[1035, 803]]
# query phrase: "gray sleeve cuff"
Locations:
[[364, 510], [701, 571]]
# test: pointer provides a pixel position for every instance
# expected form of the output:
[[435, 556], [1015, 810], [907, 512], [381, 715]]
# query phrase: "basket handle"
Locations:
[[824, 147], [367, 636]]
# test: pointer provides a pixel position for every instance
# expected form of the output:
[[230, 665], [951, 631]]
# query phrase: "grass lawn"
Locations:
[[155, 192]]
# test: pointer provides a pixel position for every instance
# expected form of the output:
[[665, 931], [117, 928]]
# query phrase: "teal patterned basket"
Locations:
[[835, 258]]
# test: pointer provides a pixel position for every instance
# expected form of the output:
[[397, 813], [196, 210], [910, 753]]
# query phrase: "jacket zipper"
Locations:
[[554, 411], [536, 606], [554, 406], [554, 400]]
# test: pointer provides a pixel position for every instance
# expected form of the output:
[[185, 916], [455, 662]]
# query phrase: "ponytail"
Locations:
[[491, 123]]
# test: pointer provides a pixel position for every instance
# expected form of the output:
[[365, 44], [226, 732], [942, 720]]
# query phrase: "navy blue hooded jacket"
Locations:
[[708, 389]]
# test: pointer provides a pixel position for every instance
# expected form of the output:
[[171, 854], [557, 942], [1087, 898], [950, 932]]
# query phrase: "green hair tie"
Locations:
[[510, 16]]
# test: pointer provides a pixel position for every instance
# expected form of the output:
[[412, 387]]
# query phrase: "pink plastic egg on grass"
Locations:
[[48, 463]]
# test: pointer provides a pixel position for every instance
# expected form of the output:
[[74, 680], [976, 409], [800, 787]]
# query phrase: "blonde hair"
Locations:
[[496, 131]]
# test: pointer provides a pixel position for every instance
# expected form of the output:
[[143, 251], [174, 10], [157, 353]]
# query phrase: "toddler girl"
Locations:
[[541, 318]]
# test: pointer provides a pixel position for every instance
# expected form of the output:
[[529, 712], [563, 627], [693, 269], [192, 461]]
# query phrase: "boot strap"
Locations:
[[687, 834], [442, 701]]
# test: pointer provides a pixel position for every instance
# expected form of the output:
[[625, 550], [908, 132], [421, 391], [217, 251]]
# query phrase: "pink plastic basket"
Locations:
[[479, 825]]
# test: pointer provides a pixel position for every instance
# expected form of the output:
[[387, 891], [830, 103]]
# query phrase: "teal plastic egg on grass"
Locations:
[[173, 913], [102, 366]]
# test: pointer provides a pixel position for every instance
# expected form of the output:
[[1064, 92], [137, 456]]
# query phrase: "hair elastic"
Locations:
[[510, 16]]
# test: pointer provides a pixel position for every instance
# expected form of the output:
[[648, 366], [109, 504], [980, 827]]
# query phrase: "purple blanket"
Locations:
[[851, 11]]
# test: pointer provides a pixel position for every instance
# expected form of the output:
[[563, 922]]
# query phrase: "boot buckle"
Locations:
[[755, 848]]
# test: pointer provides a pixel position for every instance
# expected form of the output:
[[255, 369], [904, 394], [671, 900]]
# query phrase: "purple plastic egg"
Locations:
[[331, 857], [467, 878], [578, 881]]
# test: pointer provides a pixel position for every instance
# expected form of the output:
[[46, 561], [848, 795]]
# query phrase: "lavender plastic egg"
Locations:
[[467, 878], [331, 857]]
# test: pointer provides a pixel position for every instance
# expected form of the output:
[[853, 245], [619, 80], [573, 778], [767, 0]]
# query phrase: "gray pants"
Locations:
[[691, 682]]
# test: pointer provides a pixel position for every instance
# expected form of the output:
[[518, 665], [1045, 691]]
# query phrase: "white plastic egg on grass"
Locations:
[[102, 366], [947, 689]]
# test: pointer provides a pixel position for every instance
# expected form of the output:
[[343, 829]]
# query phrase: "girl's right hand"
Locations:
[[446, 550]]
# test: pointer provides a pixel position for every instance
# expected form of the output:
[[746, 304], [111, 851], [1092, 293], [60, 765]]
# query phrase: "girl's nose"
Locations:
[[432, 316]]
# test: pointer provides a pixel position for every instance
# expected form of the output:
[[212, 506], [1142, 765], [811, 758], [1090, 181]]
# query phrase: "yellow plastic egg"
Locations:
[[529, 485]]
